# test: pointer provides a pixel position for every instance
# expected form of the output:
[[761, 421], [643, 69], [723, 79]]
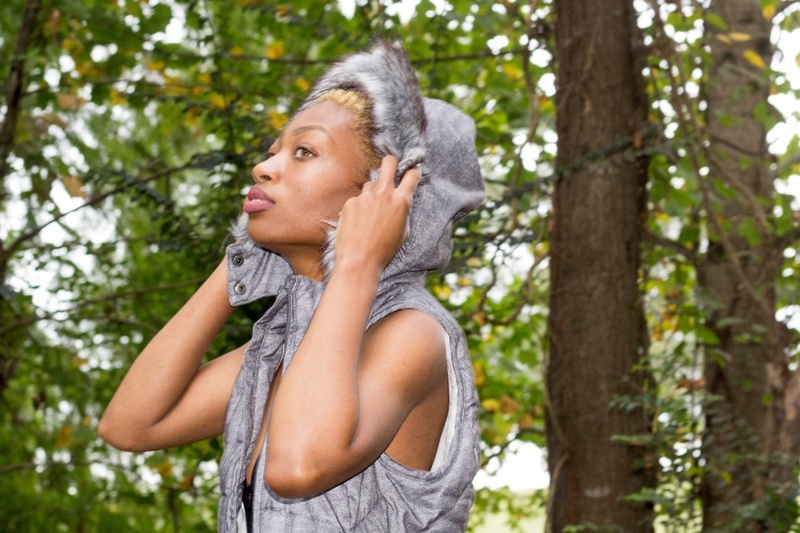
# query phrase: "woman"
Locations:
[[353, 406]]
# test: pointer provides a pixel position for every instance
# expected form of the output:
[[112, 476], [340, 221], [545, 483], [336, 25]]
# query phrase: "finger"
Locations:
[[410, 180], [388, 169]]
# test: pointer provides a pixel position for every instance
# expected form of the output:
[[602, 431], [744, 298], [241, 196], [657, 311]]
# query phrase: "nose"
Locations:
[[266, 170]]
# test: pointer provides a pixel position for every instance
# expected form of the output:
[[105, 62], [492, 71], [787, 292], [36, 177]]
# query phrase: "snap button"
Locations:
[[238, 259], [239, 288]]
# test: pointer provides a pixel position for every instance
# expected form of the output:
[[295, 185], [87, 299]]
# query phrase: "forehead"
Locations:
[[327, 115]]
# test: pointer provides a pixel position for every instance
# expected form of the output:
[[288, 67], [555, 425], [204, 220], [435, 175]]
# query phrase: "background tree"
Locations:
[[751, 436], [596, 332], [722, 213]]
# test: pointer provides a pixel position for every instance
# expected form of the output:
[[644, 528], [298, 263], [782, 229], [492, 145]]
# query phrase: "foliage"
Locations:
[[135, 133]]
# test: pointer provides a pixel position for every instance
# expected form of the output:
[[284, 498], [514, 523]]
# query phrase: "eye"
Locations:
[[301, 152]]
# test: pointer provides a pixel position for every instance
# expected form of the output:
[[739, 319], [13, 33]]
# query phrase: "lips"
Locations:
[[257, 200]]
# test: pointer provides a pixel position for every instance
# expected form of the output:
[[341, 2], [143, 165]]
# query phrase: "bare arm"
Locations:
[[346, 392], [166, 398]]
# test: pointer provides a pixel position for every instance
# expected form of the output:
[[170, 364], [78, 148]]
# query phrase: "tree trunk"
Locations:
[[596, 327], [13, 102], [750, 441]]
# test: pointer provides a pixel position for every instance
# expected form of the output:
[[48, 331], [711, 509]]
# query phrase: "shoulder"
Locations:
[[410, 344]]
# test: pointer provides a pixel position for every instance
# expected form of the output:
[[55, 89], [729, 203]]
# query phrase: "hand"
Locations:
[[372, 225]]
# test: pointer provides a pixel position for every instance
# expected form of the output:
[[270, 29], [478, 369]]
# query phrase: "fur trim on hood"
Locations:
[[416, 130]]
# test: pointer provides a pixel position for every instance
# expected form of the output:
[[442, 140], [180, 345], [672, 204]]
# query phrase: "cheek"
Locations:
[[329, 204]]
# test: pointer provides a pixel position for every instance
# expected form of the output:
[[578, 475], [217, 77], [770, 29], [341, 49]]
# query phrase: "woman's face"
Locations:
[[315, 165]]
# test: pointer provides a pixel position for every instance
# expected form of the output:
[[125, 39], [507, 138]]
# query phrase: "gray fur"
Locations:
[[385, 75]]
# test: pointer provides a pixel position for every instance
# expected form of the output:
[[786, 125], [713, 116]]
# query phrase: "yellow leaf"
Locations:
[[86, 68], [216, 100], [464, 282], [64, 439], [302, 84], [479, 317], [72, 45], [513, 72], [157, 66], [204, 78], [116, 98], [474, 262], [540, 250], [740, 37], [480, 375], [177, 89], [755, 59], [724, 38], [187, 482], [525, 421], [164, 469], [509, 404], [237, 51], [275, 50], [769, 12], [277, 120], [442, 292], [87, 421], [491, 405], [74, 187]]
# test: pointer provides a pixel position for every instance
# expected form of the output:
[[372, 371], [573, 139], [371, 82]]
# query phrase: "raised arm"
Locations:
[[346, 393], [167, 398]]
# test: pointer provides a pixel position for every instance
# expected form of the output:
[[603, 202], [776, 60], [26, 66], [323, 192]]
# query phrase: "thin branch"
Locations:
[[675, 246], [19, 241], [22, 322], [509, 442]]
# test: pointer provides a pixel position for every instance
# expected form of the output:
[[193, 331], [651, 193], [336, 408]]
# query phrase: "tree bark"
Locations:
[[596, 326], [13, 103], [16, 81], [750, 442]]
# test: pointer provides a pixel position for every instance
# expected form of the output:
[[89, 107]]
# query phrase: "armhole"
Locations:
[[449, 428]]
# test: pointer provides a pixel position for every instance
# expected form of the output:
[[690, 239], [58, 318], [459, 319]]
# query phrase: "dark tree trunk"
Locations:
[[750, 442], [596, 327], [14, 86]]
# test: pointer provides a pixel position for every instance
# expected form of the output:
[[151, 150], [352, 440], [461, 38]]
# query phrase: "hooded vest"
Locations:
[[386, 496]]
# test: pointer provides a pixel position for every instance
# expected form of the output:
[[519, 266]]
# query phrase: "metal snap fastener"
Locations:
[[238, 259], [239, 288]]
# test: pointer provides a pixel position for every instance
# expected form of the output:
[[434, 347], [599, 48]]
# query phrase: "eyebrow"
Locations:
[[303, 129]]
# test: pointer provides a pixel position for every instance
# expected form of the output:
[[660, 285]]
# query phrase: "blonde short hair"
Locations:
[[360, 107]]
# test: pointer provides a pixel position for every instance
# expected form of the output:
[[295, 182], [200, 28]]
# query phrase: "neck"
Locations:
[[309, 267]]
